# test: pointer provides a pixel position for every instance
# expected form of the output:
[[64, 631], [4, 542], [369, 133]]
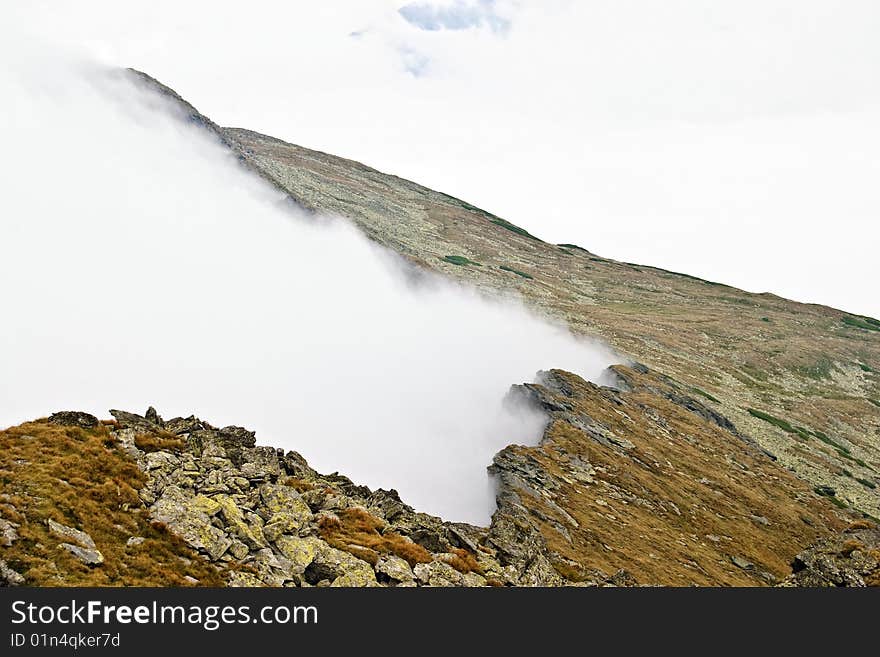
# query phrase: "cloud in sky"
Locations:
[[458, 15], [735, 140]]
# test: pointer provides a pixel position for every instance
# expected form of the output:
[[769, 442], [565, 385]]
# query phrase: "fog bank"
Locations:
[[142, 266]]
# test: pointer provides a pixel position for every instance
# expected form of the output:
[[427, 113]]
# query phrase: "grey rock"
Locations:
[[74, 419], [89, 557], [8, 533], [182, 514], [8, 576], [70, 534]]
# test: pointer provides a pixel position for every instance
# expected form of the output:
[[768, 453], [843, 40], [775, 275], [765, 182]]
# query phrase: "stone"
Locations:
[[134, 421], [239, 550], [183, 517], [74, 419], [90, 557], [234, 519], [437, 573], [284, 510], [135, 541], [206, 505], [394, 568], [240, 579], [163, 461], [180, 425], [272, 569], [332, 564], [152, 416], [741, 562], [8, 533], [71, 535], [300, 552], [8, 576]]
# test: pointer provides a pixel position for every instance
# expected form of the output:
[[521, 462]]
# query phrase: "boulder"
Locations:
[[89, 557], [394, 568], [8, 576], [74, 419], [70, 534], [181, 513], [300, 552], [8, 533]]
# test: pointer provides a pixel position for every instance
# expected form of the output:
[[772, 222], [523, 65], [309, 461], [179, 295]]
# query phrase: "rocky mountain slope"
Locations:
[[736, 455], [802, 380]]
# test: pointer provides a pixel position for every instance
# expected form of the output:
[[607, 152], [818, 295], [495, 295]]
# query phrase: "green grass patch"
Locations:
[[868, 323], [765, 319], [867, 483], [780, 423], [461, 261], [831, 495], [865, 368], [775, 421], [825, 439], [754, 372], [514, 229], [705, 394], [874, 401], [839, 503], [819, 370], [516, 271], [573, 246]]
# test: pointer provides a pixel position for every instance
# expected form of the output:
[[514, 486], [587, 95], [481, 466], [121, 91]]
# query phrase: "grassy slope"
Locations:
[[78, 477]]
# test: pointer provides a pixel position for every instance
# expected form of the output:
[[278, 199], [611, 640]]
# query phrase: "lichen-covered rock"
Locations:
[[234, 520], [8, 576], [393, 568], [8, 533], [851, 558], [300, 552], [438, 573], [70, 534], [74, 419], [332, 564], [180, 512], [90, 557]]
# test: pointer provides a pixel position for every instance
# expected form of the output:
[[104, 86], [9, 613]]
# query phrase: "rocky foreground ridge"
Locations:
[[640, 483]]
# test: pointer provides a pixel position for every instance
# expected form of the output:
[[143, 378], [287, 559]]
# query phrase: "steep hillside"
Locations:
[[802, 380], [739, 445], [638, 484]]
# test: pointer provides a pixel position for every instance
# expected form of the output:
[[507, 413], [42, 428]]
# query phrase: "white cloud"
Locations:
[[142, 266], [734, 140]]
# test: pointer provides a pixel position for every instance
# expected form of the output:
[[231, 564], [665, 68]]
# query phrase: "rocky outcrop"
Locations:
[[274, 521], [637, 484], [851, 558], [644, 481]]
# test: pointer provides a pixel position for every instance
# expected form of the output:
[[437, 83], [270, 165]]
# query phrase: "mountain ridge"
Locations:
[[739, 439]]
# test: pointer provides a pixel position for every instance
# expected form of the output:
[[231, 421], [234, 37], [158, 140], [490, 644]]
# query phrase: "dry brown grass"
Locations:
[[300, 485], [463, 561], [357, 532], [158, 441], [860, 524], [72, 476], [850, 546], [649, 511]]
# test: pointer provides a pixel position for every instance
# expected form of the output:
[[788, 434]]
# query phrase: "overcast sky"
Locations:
[[734, 140]]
